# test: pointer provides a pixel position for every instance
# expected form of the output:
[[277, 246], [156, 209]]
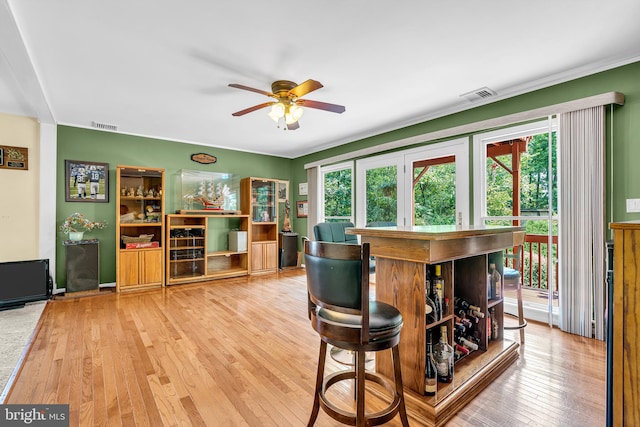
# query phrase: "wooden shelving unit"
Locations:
[[260, 203], [195, 253], [140, 204]]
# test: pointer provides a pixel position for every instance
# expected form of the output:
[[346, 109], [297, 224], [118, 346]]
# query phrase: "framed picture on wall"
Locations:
[[86, 181], [283, 191], [302, 208]]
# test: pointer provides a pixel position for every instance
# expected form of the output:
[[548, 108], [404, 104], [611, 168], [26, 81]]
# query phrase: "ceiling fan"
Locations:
[[288, 105]]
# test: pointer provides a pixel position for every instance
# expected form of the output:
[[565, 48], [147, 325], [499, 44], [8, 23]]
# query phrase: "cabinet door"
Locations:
[[129, 269], [263, 201], [270, 255], [151, 267], [257, 256]]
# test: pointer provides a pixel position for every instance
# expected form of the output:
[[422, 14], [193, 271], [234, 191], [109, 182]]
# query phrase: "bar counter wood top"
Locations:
[[434, 232], [436, 243], [403, 254]]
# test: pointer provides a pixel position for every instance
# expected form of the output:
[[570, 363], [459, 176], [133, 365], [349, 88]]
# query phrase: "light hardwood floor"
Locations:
[[241, 352]]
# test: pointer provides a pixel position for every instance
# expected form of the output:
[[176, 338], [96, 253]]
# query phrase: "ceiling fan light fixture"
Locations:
[[288, 105], [277, 112], [294, 113]]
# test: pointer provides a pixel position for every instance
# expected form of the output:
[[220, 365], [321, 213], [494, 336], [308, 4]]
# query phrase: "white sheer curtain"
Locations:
[[313, 198], [581, 198]]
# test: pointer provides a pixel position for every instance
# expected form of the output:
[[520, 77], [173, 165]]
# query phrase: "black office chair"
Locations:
[[341, 313]]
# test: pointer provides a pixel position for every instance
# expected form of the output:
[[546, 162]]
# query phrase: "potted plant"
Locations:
[[75, 225]]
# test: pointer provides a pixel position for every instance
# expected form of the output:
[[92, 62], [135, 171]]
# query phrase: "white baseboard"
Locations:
[[531, 311]]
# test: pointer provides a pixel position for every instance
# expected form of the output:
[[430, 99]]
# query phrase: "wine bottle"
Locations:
[[461, 304], [470, 345], [495, 328], [430, 310], [443, 357], [492, 281], [466, 310], [460, 328], [496, 282], [438, 285], [476, 313], [462, 349], [436, 297], [497, 278], [474, 307], [430, 373]]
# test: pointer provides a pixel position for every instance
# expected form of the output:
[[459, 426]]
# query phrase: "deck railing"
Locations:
[[534, 268]]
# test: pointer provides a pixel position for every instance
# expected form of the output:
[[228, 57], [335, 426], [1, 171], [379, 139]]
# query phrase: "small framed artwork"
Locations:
[[303, 189], [283, 191], [86, 181], [302, 208]]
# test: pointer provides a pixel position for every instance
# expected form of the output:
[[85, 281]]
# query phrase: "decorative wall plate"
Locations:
[[204, 158]]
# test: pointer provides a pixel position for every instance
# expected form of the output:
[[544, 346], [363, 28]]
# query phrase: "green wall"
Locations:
[[117, 149], [90, 145], [625, 131]]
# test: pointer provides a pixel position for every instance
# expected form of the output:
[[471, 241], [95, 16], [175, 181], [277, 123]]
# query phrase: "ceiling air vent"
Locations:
[[104, 126], [478, 94]]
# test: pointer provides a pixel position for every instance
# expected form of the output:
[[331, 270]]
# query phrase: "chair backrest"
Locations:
[[338, 279], [334, 232], [516, 272], [516, 255]]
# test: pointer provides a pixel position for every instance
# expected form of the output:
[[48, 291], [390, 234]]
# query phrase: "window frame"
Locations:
[[329, 169]]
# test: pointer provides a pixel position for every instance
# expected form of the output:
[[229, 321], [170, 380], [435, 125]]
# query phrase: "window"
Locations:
[[434, 191], [428, 185], [516, 183], [337, 191]]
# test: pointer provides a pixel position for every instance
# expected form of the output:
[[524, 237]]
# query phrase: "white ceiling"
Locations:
[[160, 68]]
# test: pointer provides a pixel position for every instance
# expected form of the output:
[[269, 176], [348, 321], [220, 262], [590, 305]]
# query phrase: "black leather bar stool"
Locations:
[[341, 313]]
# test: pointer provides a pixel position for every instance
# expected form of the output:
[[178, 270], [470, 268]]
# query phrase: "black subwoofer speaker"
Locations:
[[288, 249], [83, 266]]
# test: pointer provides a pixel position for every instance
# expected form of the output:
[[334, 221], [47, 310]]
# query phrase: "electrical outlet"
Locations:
[[633, 205]]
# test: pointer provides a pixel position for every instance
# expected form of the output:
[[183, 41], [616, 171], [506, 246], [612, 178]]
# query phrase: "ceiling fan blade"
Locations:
[[251, 89], [251, 109], [293, 126], [304, 88], [334, 108]]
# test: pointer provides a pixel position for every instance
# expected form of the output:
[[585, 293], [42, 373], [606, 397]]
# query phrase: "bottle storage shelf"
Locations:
[[197, 247], [406, 259], [444, 320], [472, 370]]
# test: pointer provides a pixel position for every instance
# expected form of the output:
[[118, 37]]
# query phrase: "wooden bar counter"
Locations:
[[402, 255], [625, 360]]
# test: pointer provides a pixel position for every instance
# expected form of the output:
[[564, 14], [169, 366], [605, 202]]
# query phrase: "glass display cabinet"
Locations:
[[259, 201], [212, 192]]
